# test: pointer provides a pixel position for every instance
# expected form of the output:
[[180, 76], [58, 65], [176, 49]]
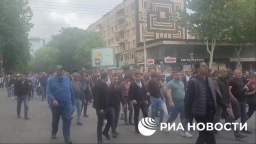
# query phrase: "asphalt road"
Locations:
[[37, 129]]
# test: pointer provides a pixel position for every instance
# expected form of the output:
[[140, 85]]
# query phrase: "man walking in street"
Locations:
[[127, 106], [22, 90], [78, 94], [237, 87], [10, 85], [43, 83], [157, 103], [87, 92], [223, 83], [1, 81], [201, 102], [115, 102], [139, 98], [102, 106], [61, 101], [177, 91]]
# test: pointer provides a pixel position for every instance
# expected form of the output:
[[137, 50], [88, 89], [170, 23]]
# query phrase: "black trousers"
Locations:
[[137, 107], [65, 113], [85, 105], [116, 115], [101, 116], [243, 112], [24, 100], [43, 93], [206, 137], [1, 85], [110, 117], [127, 107]]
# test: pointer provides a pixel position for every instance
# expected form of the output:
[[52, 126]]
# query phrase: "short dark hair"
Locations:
[[155, 74], [104, 76], [137, 73]]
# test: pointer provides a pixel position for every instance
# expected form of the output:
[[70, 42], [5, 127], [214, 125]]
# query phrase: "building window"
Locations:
[[163, 15], [133, 6]]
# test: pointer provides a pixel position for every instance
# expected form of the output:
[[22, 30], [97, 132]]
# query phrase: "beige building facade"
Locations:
[[135, 25], [125, 27]]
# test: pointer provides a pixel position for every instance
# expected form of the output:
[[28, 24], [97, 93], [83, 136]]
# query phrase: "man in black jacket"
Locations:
[[201, 102], [115, 104], [102, 105], [138, 96], [22, 90]]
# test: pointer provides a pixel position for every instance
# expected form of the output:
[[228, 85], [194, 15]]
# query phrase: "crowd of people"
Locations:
[[37, 84], [194, 94]]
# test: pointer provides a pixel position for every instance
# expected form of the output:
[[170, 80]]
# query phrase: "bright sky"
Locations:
[[49, 16]]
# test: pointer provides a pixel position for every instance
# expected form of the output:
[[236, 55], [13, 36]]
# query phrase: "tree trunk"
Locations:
[[238, 54], [211, 51]]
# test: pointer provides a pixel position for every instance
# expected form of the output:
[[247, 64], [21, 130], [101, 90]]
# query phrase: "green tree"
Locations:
[[72, 49], [221, 20], [44, 59], [208, 21], [242, 24], [15, 16]]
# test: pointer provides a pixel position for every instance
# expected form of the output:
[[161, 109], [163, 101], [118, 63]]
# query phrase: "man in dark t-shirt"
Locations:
[[237, 90]]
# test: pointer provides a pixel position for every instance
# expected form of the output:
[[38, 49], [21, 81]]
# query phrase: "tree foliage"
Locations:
[[15, 16], [70, 48], [221, 20], [242, 25], [44, 59], [242, 21]]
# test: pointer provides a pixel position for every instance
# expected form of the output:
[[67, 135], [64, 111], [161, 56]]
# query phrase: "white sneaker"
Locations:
[[185, 134], [182, 133], [188, 135]]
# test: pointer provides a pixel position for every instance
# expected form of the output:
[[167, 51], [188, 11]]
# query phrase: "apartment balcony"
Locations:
[[121, 26]]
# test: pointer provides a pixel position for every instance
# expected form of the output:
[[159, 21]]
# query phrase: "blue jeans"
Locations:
[[178, 109], [157, 106], [78, 109]]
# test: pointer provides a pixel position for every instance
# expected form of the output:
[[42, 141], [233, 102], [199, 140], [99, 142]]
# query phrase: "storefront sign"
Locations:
[[192, 60], [170, 60], [243, 59], [150, 61]]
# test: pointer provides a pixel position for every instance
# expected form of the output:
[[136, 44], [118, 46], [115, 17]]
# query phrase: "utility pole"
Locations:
[[144, 38], [144, 47]]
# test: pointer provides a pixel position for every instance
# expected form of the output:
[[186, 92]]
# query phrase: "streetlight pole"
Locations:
[[144, 47], [144, 39]]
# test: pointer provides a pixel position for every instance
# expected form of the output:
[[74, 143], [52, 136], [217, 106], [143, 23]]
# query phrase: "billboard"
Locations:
[[102, 57]]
